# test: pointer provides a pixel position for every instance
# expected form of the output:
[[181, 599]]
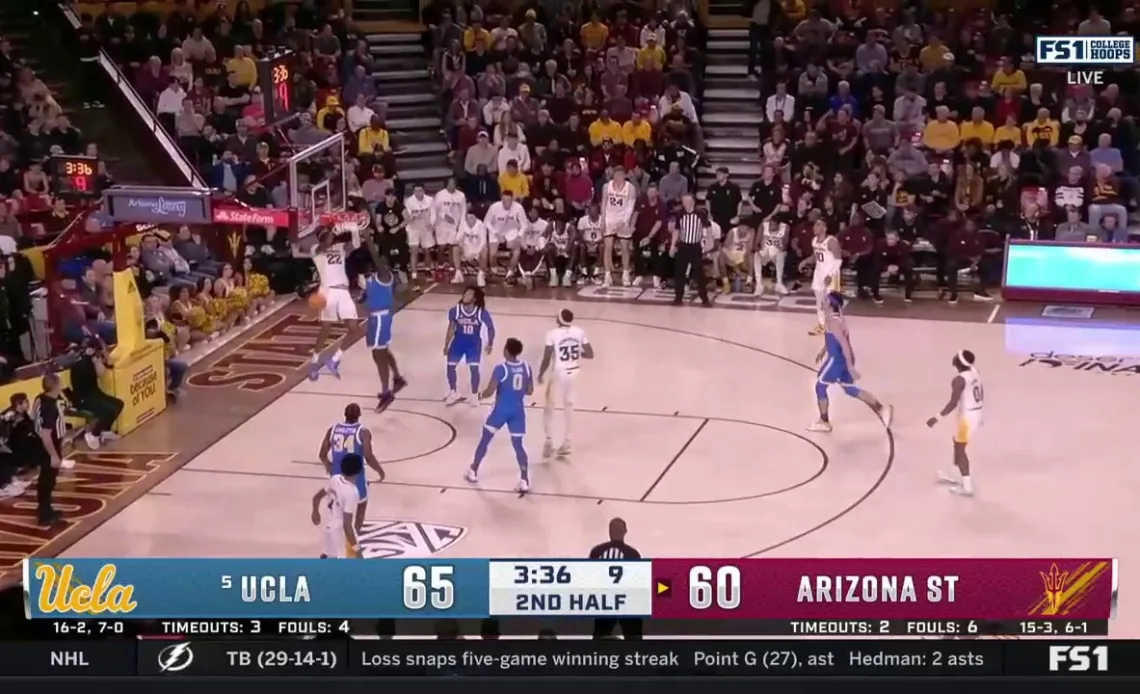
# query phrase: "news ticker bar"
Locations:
[[973, 658], [568, 626]]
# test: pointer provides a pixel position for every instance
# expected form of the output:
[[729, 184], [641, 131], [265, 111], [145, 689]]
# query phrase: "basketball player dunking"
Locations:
[[351, 437], [828, 261], [967, 397], [566, 346], [337, 306], [380, 301], [837, 368], [619, 198], [339, 501]]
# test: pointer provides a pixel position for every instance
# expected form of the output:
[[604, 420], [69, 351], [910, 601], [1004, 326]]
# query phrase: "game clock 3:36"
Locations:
[[275, 76], [74, 177]]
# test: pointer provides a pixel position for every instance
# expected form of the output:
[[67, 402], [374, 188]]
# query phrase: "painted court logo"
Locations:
[[1115, 365], [394, 539]]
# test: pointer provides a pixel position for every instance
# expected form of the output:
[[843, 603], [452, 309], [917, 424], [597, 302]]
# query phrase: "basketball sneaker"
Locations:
[[523, 486], [820, 426], [334, 367], [943, 478], [315, 365], [452, 398], [817, 330], [563, 450], [472, 476], [547, 449], [399, 383]]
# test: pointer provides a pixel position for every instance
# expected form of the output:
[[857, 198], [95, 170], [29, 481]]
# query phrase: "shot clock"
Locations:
[[275, 75], [74, 177]]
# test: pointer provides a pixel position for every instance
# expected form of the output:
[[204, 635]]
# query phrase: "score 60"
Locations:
[[431, 584]]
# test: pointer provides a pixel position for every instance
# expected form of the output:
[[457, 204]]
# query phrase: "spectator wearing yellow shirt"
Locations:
[[941, 134], [1010, 132], [1043, 127], [795, 10], [650, 54], [373, 137], [604, 128], [474, 33], [326, 117], [933, 56], [977, 128], [594, 33], [242, 67], [514, 182], [1008, 77], [636, 128]]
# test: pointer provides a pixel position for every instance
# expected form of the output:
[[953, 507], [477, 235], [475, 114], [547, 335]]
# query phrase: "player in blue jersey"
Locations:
[[380, 303], [837, 367], [351, 437], [511, 382], [464, 341]]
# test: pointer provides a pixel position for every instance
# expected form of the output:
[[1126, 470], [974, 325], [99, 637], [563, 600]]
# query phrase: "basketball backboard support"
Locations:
[[317, 182]]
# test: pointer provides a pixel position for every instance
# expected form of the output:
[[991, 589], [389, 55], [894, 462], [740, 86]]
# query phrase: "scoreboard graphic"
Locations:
[[956, 597]]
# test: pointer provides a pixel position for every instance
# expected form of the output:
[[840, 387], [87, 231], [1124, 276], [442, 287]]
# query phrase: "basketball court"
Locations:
[[692, 427]]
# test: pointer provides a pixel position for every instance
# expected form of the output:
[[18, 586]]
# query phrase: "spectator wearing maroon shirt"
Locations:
[[651, 237], [894, 256], [579, 188]]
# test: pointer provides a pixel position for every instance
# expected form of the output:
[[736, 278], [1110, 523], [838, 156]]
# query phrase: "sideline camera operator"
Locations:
[[86, 395]]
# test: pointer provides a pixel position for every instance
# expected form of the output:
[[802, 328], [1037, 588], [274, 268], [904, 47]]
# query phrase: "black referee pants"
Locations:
[[45, 487], [689, 260]]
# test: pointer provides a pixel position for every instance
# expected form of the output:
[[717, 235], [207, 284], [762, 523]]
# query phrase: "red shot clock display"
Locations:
[[275, 75], [74, 176]]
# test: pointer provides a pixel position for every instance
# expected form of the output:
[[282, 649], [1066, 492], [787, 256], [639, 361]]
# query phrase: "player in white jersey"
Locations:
[[735, 258], [771, 247], [828, 262], [447, 209], [336, 303], [532, 243], [505, 220], [566, 347], [619, 199], [418, 223], [335, 507], [590, 231], [967, 402], [560, 253], [471, 248]]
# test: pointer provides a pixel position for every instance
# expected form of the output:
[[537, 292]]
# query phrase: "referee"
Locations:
[[48, 416], [616, 550], [685, 249]]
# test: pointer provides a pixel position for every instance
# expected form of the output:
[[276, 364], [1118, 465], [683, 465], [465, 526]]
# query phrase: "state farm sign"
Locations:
[[249, 216]]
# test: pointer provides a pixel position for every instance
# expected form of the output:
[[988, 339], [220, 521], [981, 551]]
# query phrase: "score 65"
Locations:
[[431, 584]]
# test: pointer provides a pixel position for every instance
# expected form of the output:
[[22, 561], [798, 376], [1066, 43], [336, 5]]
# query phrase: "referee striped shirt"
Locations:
[[690, 228], [47, 413], [614, 550]]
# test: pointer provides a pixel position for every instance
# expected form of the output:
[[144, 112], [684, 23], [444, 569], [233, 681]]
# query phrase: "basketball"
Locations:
[[317, 301]]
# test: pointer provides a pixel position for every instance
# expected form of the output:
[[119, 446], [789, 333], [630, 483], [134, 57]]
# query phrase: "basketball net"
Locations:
[[345, 222]]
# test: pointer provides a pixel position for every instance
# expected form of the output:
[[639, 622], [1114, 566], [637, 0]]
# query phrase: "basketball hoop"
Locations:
[[345, 222]]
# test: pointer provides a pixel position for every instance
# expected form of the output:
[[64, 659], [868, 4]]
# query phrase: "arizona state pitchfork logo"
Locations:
[[1055, 582], [1068, 591]]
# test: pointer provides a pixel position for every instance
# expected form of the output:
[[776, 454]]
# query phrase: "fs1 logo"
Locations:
[[1085, 50], [1078, 658]]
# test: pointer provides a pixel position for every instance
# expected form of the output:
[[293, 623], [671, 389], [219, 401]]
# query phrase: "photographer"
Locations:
[[87, 396]]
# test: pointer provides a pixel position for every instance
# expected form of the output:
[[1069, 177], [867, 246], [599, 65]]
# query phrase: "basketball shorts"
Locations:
[[505, 238], [513, 420], [833, 372], [420, 237], [967, 428], [472, 253], [378, 332], [734, 258], [821, 284], [446, 234], [339, 305], [334, 545], [768, 253], [560, 389], [468, 350], [619, 228]]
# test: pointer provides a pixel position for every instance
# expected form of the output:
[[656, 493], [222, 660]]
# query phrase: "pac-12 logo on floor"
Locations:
[[395, 539], [1111, 364]]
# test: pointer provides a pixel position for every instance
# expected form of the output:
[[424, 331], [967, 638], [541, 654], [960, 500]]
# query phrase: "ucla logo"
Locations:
[[60, 593]]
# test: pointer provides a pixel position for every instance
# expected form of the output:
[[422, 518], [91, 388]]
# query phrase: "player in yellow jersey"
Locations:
[[967, 402]]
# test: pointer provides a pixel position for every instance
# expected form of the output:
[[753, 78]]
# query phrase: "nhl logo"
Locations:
[[395, 539]]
